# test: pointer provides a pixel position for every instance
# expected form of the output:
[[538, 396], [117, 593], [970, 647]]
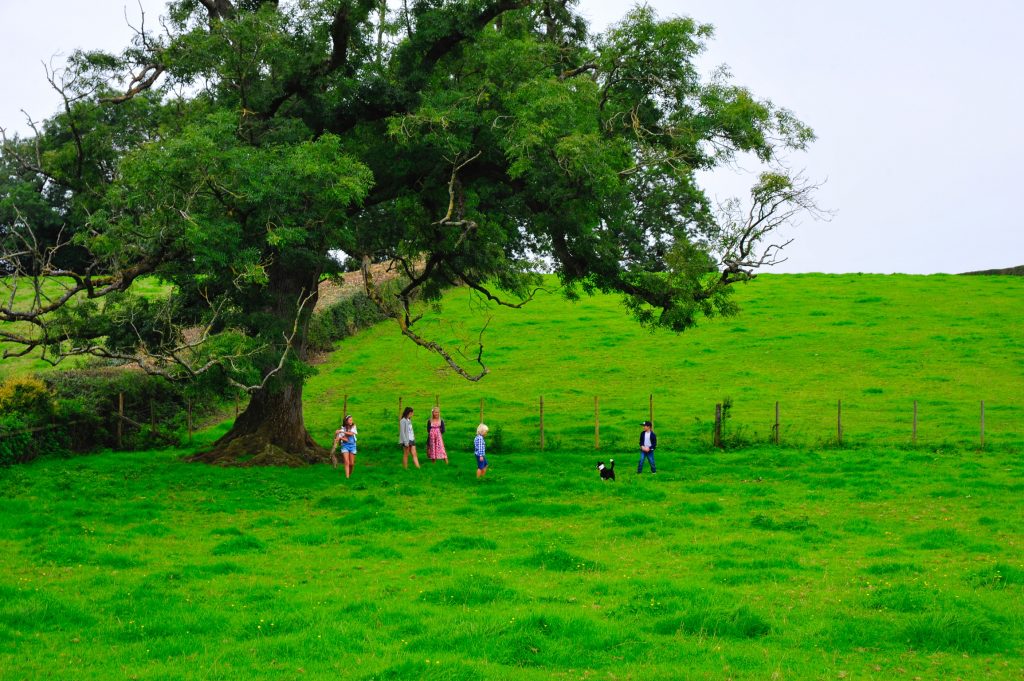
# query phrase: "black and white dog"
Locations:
[[607, 472]]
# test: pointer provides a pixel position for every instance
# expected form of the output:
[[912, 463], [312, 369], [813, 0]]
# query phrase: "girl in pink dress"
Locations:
[[435, 441]]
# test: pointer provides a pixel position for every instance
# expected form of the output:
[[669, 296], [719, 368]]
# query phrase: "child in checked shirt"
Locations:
[[480, 449]]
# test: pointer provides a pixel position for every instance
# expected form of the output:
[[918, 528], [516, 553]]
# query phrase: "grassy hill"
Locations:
[[1017, 271], [793, 562], [878, 343]]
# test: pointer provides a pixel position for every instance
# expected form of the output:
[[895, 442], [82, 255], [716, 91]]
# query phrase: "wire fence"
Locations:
[[572, 421]]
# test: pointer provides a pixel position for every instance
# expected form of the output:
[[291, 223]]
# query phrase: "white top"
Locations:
[[405, 433], [647, 438]]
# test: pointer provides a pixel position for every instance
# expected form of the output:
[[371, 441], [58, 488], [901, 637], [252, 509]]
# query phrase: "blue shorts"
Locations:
[[481, 463], [348, 447]]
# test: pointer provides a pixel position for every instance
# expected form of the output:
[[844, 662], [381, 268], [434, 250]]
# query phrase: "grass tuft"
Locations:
[[557, 560], [463, 543], [764, 522], [716, 622], [239, 545], [958, 631], [902, 598], [477, 590], [893, 568], [998, 576]]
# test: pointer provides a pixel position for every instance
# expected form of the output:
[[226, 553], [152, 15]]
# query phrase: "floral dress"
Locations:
[[435, 443]]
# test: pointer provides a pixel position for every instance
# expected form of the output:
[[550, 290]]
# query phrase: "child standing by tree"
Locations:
[[480, 449], [346, 437]]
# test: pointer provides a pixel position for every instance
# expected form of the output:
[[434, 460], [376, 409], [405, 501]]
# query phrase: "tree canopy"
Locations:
[[237, 148]]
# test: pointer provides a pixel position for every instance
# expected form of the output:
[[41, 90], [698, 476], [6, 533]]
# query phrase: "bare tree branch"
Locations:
[[777, 199], [573, 72], [467, 280], [453, 187], [402, 314], [61, 89], [140, 82], [183, 359], [218, 9]]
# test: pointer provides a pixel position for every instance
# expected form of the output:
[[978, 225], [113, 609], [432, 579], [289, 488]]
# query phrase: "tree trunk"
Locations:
[[272, 431]]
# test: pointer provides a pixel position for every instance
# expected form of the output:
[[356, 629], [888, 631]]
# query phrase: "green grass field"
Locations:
[[877, 560], [758, 564]]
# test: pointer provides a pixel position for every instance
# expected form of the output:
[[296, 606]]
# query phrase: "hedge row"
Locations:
[[75, 411], [341, 320]]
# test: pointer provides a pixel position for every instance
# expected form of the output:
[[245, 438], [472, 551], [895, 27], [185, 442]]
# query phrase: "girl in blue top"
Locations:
[[346, 437], [480, 449]]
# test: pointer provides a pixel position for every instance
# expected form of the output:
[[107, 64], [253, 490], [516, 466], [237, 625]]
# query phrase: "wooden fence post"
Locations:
[[775, 428], [597, 424], [542, 423], [344, 408], [650, 411], [718, 425], [437, 400], [914, 439], [120, 419], [983, 424], [839, 421]]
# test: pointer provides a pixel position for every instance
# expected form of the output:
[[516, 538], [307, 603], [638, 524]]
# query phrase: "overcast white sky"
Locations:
[[916, 103]]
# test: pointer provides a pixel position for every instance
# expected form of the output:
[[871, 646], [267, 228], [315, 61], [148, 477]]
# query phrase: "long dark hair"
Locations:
[[406, 412], [344, 421]]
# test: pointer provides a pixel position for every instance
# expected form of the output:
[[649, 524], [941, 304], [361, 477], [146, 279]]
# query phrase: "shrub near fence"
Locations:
[[341, 320], [93, 397], [21, 442], [27, 414]]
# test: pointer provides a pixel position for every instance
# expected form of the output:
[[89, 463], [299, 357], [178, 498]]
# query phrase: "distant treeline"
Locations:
[[1017, 271]]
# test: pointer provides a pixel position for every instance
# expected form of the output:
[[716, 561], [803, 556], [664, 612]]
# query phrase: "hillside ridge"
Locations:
[[1017, 271]]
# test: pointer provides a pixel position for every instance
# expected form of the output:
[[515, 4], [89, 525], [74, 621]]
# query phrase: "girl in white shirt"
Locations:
[[407, 439]]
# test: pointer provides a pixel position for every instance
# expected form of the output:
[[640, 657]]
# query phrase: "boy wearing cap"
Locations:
[[648, 443]]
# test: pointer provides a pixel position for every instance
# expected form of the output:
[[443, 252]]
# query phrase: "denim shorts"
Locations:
[[481, 462]]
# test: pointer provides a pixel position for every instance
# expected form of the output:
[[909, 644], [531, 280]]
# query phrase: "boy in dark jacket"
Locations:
[[648, 443]]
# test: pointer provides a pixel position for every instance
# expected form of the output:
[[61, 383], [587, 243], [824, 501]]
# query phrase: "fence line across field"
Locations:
[[775, 435]]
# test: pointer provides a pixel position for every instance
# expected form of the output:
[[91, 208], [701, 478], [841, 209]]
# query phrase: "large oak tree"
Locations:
[[236, 149]]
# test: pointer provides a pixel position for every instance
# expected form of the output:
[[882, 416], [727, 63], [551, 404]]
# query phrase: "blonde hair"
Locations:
[[482, 429]]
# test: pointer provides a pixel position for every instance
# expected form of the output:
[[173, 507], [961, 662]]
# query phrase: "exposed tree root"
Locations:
[[256, 449]]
